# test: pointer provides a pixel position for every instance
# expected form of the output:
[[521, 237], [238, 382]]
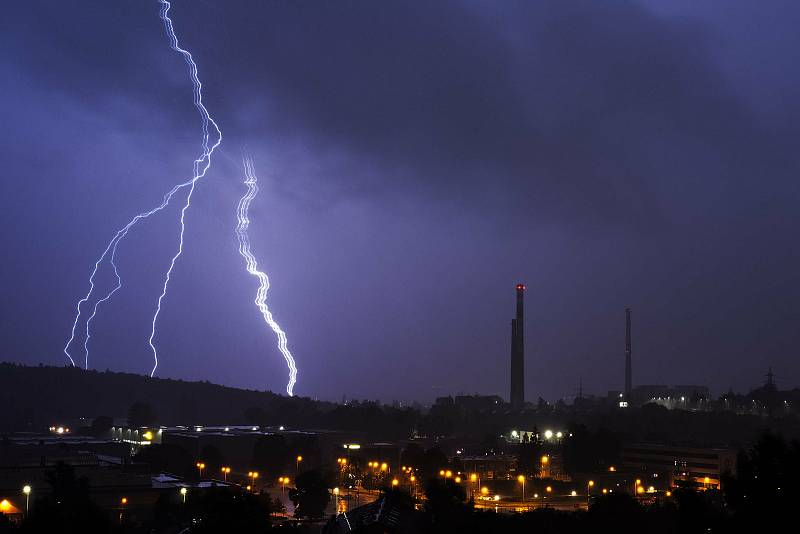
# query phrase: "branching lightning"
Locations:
[[201, 166], [252, 267]]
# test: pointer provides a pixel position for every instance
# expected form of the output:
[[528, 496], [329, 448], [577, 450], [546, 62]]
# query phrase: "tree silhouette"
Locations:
[[310, 494], [141, 414]]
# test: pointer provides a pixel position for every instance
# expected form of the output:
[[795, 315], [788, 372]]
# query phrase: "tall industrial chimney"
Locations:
[[517, 396], [628, 378]]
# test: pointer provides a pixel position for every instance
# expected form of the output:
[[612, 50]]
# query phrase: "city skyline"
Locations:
[[631, 154]]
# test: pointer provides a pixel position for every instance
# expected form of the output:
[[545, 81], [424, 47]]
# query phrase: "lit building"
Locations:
[[701, 466]]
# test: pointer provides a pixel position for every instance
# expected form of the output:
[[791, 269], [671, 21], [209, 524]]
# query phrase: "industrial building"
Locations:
[[703, 467]]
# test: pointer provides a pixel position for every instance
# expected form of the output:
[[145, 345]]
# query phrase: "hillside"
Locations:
[[35, 397]]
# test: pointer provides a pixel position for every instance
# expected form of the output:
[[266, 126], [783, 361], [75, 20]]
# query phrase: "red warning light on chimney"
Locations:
[[521, 287]]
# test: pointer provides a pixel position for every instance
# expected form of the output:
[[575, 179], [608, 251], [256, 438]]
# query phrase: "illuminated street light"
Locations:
[[184, 491], [225, 472], [384, 466], [612, 468], [395, 482], [200, 467], [27, 491], [448, 474], [441, 473], [548, 434], [521, 479], [484, 491], [458, 480]]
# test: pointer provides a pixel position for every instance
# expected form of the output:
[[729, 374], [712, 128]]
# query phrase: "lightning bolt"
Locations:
[[201, 166], [252, 267]]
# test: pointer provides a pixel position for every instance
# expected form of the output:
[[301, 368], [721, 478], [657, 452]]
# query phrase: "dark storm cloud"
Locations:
[[608, 153], [579, 112]]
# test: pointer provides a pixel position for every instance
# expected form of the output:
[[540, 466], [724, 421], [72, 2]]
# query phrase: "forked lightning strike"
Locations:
[[201, 166], [252, 267]]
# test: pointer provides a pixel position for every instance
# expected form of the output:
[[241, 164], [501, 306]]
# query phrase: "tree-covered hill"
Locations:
[[33, 397]]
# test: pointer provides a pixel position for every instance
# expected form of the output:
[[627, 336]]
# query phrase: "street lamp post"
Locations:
[[27, 491], [521, 479], [297, 463], [200, 467], [225, 471], [336, 496], [588, 491], [122, 504], [183, 492], [253, 476]]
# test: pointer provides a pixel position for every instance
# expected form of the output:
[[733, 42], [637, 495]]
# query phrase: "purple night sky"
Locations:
[[417, 160]]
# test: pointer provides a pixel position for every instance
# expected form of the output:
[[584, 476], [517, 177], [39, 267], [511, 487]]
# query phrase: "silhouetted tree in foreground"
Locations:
[[765, 490], [214, 510], [444, 506], [310, 494], [68, 508]]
